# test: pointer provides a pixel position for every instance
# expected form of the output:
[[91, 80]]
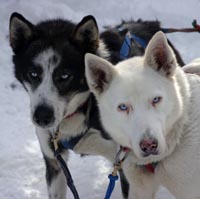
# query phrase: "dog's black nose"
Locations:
[[43, 115], [149, 146]]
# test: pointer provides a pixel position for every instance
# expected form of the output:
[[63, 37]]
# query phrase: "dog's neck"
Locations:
[[75, 123], [149, 167], [81, 107]]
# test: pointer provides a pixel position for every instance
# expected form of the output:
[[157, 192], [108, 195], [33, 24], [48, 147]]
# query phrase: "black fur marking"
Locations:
[[52, 169], [54, 60], [86, 34], [113, 42], [20, 32], [178, 56], [93, 121], [124, 184]]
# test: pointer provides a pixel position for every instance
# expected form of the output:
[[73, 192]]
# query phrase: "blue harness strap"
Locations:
[[126, 45], [139, 40], [70, 144], [124, 51]]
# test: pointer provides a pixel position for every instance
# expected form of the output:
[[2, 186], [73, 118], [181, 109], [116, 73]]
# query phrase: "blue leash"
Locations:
[[67, 174], [64, 167], [117, 166], [111, 185]]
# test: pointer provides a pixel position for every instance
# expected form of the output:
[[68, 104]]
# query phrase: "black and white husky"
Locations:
[[49, 62]]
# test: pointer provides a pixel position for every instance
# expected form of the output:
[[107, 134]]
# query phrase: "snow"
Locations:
[[21, 168]]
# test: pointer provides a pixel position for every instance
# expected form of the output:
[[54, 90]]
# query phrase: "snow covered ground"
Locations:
[[21, 164]]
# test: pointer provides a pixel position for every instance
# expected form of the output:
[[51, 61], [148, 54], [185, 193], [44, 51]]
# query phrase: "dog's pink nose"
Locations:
[[149, 146]]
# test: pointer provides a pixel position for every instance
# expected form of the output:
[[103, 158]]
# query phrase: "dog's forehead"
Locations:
[[134, 80], [129, 72], [47, 58], [129, 68]]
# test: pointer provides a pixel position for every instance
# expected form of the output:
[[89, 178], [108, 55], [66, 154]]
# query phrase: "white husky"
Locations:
[[151, 106]]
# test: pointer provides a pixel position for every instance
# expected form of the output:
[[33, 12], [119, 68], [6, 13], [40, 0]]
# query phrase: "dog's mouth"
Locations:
[[76, 103], [145, 155]]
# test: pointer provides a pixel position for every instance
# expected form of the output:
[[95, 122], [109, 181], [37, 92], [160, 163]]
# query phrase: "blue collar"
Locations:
[[71, 143], [126, 46]]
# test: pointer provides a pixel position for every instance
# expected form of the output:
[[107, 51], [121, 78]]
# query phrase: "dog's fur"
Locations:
[[49, 62], [193, 67], [151, 98]]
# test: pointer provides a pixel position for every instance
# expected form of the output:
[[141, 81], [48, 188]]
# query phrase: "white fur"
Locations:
[[193, 67], [57, 190], [102, 50], [174, 122]]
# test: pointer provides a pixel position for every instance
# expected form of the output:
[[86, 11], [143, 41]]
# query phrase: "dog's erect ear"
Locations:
[[99, 73], [160, 56], [20, 30], [87, 34]]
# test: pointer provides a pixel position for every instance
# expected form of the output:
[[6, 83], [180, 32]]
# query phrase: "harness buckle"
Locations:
[[55, 139], [121, 155], [117, 167]]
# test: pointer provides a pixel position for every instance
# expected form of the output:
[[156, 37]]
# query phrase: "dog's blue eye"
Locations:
[[33, 75], [156, 100], [64, 76], [123, 107]]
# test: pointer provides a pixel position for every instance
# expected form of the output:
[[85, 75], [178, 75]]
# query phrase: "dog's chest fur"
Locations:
[[71, 127]]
